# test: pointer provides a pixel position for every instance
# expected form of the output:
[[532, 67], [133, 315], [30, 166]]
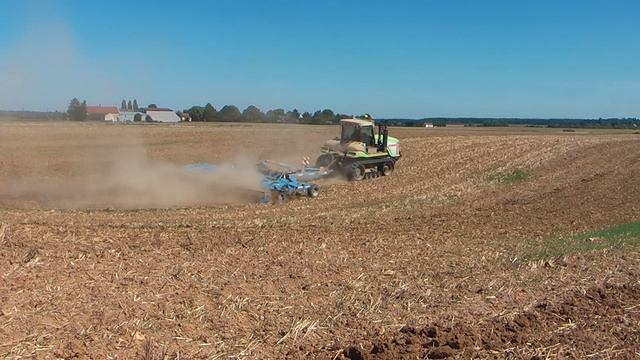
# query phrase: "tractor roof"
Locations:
[[359, 122]]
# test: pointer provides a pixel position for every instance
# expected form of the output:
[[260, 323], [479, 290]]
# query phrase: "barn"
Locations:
[[128, 116], [100, 112], [162, 115]]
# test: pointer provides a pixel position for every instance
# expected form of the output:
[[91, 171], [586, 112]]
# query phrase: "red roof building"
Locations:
[[101, 110]]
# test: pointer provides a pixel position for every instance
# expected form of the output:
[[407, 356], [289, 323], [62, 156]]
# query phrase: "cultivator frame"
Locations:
[[280, 181]]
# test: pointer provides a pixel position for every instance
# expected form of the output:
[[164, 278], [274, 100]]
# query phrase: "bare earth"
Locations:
[[106, 253]]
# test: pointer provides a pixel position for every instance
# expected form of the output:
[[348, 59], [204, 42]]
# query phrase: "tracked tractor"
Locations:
[[360, 153]]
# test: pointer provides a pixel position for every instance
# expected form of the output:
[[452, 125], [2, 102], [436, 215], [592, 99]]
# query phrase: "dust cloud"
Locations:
[[128, 179]]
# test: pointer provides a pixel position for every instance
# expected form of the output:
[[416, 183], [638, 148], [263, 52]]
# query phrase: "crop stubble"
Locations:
[[426, 262]]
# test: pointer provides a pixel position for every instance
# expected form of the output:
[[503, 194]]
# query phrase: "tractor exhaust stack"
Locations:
[[385, 137]]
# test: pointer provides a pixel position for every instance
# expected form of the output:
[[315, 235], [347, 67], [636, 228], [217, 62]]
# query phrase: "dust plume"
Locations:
[[128, 179]]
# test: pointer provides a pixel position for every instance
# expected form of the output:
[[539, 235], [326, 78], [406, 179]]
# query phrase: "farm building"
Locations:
[[127, 116], [100, 112], [428, 125], [111, 113], [111, 117], [162, 115]]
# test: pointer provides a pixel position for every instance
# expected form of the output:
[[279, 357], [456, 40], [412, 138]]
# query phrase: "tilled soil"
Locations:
[[431, 262], [595, 323]]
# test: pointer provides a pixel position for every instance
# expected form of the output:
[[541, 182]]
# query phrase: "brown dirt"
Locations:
[[570, 327], [426, 263]]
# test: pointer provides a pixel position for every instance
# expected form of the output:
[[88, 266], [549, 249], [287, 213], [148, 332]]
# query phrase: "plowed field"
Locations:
[[468, 250]]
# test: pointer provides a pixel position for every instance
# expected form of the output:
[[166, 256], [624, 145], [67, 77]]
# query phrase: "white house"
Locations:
[[111, 117]]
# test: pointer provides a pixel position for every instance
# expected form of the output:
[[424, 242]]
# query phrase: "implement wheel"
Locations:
[[387, 168], [313, 191], [324, 160], [355, 172], [279, 197]]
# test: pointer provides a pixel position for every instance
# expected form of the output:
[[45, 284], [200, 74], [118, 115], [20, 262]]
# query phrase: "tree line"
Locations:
[[129, 106], [230, 113], [33, 115], [600, 123], [252, 114]]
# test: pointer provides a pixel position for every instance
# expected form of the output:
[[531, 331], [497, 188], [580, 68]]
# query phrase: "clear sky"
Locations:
[[503, 58]]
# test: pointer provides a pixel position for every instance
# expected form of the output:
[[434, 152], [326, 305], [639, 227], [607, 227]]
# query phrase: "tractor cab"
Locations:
[[356, 136], [357, 130]]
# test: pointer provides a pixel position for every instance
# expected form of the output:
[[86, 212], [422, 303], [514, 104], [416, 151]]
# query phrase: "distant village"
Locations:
[[133, 113]]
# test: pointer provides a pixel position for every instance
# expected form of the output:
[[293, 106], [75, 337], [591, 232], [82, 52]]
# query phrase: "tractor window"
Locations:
[[350, 133], [366, 135]]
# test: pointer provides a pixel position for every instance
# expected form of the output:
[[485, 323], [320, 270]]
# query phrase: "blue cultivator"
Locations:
[[280, 181], [268, 168], [282, 186], [285, 181]]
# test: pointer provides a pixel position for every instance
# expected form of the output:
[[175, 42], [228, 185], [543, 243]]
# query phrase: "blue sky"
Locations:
[[503, 58]]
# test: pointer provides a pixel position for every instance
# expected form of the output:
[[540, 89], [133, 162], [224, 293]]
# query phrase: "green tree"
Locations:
[[196, 113], [276, 115], [77, 111], [83, 110], [123, 106], [230, 113], [129, 106], [135, 105], [74, 104], [210, 113], [317, 117], [152, 106], [137, 117], [329, 117], [252, 114], [306, 118], [324, 117], [293, 116]]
